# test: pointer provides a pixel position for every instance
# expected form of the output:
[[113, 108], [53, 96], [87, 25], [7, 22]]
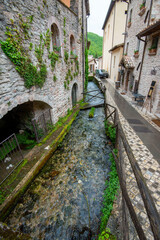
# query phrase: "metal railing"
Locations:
[[10, 156], [42, 124]]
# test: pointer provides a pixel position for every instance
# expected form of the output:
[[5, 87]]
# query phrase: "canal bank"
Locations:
[[18, 182], [65, 200]]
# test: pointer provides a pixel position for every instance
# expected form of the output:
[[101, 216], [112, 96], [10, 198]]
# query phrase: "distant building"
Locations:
[[100, 63], [113, 38], [141, 63], [93, 64]]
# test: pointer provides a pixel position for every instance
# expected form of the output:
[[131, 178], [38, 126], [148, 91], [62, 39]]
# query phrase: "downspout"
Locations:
[[126, 33], [144, 49], [83, 55], [113, 37]]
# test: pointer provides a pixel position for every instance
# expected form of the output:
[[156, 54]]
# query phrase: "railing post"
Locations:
[[18, 145], [35, 130]]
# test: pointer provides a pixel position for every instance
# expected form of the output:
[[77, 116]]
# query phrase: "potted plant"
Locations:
[[129, 23], [142, 6], [56, 49], [142, 9], [152, 50], [136, 53]]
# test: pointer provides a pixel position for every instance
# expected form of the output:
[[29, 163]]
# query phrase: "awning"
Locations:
[[116, 47], [150, 29], [127, 62]]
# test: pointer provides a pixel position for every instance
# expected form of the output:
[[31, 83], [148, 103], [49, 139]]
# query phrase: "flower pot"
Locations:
[[136, 54], [129, 24], [142, 11], [152, 51]]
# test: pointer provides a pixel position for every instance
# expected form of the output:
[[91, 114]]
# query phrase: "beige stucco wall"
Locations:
[[107, 42], [112, 34], [116, 57]]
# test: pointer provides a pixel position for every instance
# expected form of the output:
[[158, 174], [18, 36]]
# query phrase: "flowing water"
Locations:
[[65, 200]]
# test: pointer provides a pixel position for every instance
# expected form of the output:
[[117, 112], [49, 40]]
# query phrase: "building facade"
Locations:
[[142, 49], [42, 56], [113, 38]]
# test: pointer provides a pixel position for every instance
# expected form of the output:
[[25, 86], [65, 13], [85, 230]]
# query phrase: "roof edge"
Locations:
[[108, 13]]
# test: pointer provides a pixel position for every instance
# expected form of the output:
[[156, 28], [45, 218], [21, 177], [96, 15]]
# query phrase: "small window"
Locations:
[[138, 45], [155, 42], [114, 61], [126, 53], [55, 38], [130, 16], [72, 45], [154, 46]]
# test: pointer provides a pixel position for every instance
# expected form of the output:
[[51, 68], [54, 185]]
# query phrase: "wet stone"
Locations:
[[67, 195]]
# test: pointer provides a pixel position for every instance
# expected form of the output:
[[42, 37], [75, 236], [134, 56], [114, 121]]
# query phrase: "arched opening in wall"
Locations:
[[55, 38], [74, 94], [20, 121], [72, 45]]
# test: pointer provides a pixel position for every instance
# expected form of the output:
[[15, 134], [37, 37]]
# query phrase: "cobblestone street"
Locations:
[[148, 164]]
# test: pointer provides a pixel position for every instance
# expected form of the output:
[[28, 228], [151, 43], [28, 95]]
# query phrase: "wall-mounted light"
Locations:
[[154, 71]]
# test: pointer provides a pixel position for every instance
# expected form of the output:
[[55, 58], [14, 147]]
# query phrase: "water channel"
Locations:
[[64, 202]]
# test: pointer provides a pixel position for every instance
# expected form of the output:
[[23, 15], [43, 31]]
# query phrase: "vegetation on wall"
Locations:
[[86, 69], [112, 184], [96, 44], [15, 48]]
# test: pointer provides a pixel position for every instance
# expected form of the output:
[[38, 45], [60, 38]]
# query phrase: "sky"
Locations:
[[98, 12]]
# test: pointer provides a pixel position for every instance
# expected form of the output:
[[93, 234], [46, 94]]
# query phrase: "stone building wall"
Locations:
[[45, 13], [139, 23]]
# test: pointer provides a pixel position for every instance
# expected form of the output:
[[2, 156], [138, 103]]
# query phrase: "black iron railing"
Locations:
[[10, 156]]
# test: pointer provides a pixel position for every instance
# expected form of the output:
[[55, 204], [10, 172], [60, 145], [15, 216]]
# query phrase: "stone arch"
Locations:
[[53, 24], [20, 99], [20, 117], [74, 94]]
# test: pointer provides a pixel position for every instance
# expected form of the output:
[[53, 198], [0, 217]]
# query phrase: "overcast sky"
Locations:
[[98, 11]]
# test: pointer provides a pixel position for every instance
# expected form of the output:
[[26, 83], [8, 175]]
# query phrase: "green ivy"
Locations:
[[86, 69], [39, 50], [106, 235], [54, 58], [112, 185], [66, 56], [54, 78], [13, 48], [30, 46], [110, 131], [64, 21], [47, 39]]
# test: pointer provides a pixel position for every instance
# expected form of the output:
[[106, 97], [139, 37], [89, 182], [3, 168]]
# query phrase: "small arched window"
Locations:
[[55, 38], [72, 45]]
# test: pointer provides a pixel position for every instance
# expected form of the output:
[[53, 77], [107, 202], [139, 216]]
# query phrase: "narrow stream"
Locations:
[[65, 200]]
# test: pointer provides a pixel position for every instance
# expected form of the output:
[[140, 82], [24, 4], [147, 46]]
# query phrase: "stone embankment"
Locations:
[[150, 170], [36, 158]]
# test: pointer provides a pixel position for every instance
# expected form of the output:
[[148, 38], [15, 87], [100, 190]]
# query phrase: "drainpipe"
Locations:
[[144, 49], [126, 33], [83, 42]]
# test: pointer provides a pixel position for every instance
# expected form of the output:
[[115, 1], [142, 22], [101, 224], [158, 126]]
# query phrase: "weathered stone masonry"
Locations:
[[12, 89]]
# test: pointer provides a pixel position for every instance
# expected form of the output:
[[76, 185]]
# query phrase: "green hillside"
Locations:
[[96, 44]]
